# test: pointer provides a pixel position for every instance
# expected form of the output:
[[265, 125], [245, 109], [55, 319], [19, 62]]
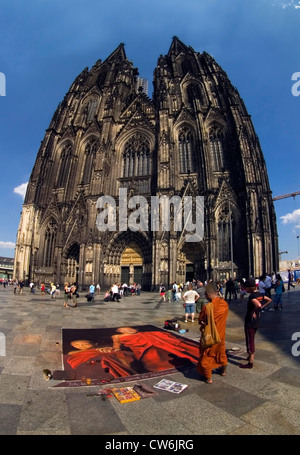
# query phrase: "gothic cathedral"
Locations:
[[194, 137]]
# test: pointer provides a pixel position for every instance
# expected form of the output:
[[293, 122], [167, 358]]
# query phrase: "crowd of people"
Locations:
[[210, 300], [118, 291]]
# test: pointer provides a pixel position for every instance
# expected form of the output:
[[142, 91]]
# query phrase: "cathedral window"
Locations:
[[91, 110], [186, 151], [216, 141], [223, 235], [65, 166], [90, 151], [136, 156], [194, 95]]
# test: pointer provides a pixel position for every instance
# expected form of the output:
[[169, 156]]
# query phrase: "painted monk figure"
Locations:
[[215, 356], [134, 352]]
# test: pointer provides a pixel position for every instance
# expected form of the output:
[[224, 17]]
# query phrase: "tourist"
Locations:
[[256, 303], [175, 292], [67, 295], [290, 279], [115, 292], [21, 286], [125, 288], [243, 291], [15, 286], [268, 285], [43, 289], [162, 293], [52, 290], [74, 294], [190, 298], [138, 289], [214, 356], [229, 289], [32, 290], [202, 299], [98, 289], [278, 286], [92, 291], [261, 285]]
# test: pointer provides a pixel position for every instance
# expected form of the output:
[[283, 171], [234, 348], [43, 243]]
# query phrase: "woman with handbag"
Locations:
[[212, 320]]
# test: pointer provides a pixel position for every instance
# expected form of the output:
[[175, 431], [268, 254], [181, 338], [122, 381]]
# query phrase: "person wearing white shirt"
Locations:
[[268, 285], [190, 298]]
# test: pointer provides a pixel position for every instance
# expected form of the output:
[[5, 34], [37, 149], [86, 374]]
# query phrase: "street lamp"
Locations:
[[298, 236], [282, 252]]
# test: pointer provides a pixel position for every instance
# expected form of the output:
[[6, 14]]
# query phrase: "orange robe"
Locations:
[[214, 357], [156, 351]]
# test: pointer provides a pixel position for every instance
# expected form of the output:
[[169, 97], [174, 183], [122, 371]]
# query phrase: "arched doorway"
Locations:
[[192, 258], [128, 258], [132, 265]]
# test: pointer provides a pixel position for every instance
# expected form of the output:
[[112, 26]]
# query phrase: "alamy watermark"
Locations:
[[296, 85], [163, 213], [296, 346], [2, 84], [2, 345]]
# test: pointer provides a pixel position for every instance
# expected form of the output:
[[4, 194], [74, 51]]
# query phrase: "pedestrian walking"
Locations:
[[256, 303], [162, 293], [92, 292], [67, 295], [290, 279]]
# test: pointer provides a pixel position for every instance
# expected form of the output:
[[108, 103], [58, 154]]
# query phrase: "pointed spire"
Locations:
[[118, 54], [177, 47]]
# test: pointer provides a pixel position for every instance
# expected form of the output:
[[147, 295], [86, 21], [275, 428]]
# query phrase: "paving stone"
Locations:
[[10, 415], [274, 419], [261, 401], [44, 413], [93, 413]]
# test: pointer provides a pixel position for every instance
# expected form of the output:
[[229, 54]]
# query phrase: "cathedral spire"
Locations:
[[177, 47], [118, 54]]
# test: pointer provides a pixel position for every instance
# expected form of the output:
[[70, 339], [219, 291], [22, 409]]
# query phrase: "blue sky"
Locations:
[[45, 44]]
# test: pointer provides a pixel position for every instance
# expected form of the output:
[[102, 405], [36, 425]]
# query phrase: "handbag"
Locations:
[[209, 335]]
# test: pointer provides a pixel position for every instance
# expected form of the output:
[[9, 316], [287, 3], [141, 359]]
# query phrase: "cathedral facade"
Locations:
[[194, 137]]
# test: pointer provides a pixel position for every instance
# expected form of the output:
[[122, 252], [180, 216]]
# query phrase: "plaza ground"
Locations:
[[261, 401]]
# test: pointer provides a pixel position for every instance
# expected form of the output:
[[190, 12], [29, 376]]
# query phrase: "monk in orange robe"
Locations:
[[215, 356]]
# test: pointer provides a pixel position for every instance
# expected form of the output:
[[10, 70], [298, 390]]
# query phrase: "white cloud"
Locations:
[[287, 4], [21, 189], [293, 218], [8, 245], [292, 4]]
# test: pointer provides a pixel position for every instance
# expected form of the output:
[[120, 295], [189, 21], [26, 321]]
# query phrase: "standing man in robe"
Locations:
[[214, 356]]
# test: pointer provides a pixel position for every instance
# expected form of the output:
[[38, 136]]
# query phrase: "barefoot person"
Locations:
[[256, 303], [214, 356]]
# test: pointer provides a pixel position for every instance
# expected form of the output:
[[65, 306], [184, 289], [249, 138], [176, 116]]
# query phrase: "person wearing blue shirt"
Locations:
[[92, 292]]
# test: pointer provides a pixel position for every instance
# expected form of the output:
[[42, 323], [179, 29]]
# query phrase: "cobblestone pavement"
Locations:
[[261, 401]]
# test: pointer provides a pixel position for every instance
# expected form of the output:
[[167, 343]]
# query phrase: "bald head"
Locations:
[[211, 291]]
